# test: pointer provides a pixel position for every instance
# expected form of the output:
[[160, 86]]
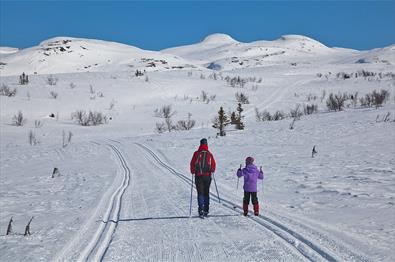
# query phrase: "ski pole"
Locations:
[[237, 187], [262, 179], [190, 201], [215, 183]]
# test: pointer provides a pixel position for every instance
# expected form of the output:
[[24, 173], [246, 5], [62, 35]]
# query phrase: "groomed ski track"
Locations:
[[147, 219]]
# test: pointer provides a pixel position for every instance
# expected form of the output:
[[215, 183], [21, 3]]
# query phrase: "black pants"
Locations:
[[247, 195], [203, 189]]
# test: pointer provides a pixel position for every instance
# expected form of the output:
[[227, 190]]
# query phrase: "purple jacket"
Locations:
[[251, 175]]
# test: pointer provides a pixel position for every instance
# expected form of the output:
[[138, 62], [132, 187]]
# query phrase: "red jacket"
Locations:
[[210, 160]]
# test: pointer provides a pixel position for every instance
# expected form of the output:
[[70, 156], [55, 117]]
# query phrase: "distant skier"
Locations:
[[202, 165], [251, 174]]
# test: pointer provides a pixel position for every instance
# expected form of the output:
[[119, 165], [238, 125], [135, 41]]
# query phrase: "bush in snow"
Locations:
[[242, 98], [89, 119], [32, 138], [336, 102], [160, 127], [18, 119], [310, 109], [53, 94], [379, 98], [262, 116], [72, 85], [6, 91], [38, 124], [165, 111], [186, 124], [278, 115], [296, 113], [51, 80], [23, 79]]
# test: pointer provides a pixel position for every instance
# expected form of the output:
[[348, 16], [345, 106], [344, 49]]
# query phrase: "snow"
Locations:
[[123, 190]]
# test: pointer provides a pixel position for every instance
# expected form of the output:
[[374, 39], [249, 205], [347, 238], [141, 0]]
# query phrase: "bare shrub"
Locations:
[[92, 118], [296, 113], [311, 97], [213, 97], [23, 79], [160, 127], [51, 80], [18, 119], [165, 111], [204, 96], [278, 115], [380, 97], [91, 90], [336, 102], [32, 138], [53, 94], [242, 98], [38, 123], [6, 91], [354, 99], [366, 101], [310, 109], [72, 85], [262, 116], [186, 124]]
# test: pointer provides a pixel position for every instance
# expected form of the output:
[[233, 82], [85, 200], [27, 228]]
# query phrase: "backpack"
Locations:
[[203, 162]]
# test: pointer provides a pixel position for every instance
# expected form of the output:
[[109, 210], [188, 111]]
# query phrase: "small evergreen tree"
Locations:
[[221, 121], [239, 117], [233, 118]]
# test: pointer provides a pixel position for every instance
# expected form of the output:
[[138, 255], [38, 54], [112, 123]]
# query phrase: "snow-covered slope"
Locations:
[[123, 189], [7, 50], [66, 55]]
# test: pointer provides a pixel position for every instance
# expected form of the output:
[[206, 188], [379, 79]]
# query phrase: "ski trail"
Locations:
[[307, 248], [98, 245], [155, 224]]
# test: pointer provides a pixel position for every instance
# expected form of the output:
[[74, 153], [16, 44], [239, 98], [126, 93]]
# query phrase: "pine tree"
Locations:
[[233, 118], [239, 117], [221, 121]]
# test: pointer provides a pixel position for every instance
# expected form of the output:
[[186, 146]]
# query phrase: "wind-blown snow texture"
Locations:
[[123, 190]]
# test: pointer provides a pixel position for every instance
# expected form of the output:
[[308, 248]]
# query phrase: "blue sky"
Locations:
[[156, 25]]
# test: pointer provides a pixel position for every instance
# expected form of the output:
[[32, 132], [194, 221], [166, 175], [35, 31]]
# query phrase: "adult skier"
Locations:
[[202, 166], [251, 174]]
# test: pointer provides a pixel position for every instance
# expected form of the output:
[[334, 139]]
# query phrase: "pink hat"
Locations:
[[249, 160]]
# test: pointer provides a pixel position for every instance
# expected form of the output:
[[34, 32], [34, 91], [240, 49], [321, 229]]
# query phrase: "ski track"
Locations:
[[308, 249], [131, 239], [100, 242]]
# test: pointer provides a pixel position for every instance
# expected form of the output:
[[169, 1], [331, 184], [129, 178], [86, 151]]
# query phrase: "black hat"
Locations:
[[203, 141]]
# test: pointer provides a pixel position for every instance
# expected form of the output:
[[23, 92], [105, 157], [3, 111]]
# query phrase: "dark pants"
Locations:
[[203, 189], [248, 195]]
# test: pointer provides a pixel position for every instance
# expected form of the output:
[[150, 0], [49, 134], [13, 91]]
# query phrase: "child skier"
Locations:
[[251, 174]]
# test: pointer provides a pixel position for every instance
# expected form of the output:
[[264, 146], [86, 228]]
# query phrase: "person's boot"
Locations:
[[245, 209], [256, 209]]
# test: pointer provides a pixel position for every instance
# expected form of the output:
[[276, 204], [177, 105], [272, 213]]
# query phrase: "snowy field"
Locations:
[[123, 189]]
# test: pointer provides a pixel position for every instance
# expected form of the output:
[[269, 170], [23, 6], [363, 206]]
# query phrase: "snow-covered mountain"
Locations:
[[220, 51], [67, 55], [216, 51]]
